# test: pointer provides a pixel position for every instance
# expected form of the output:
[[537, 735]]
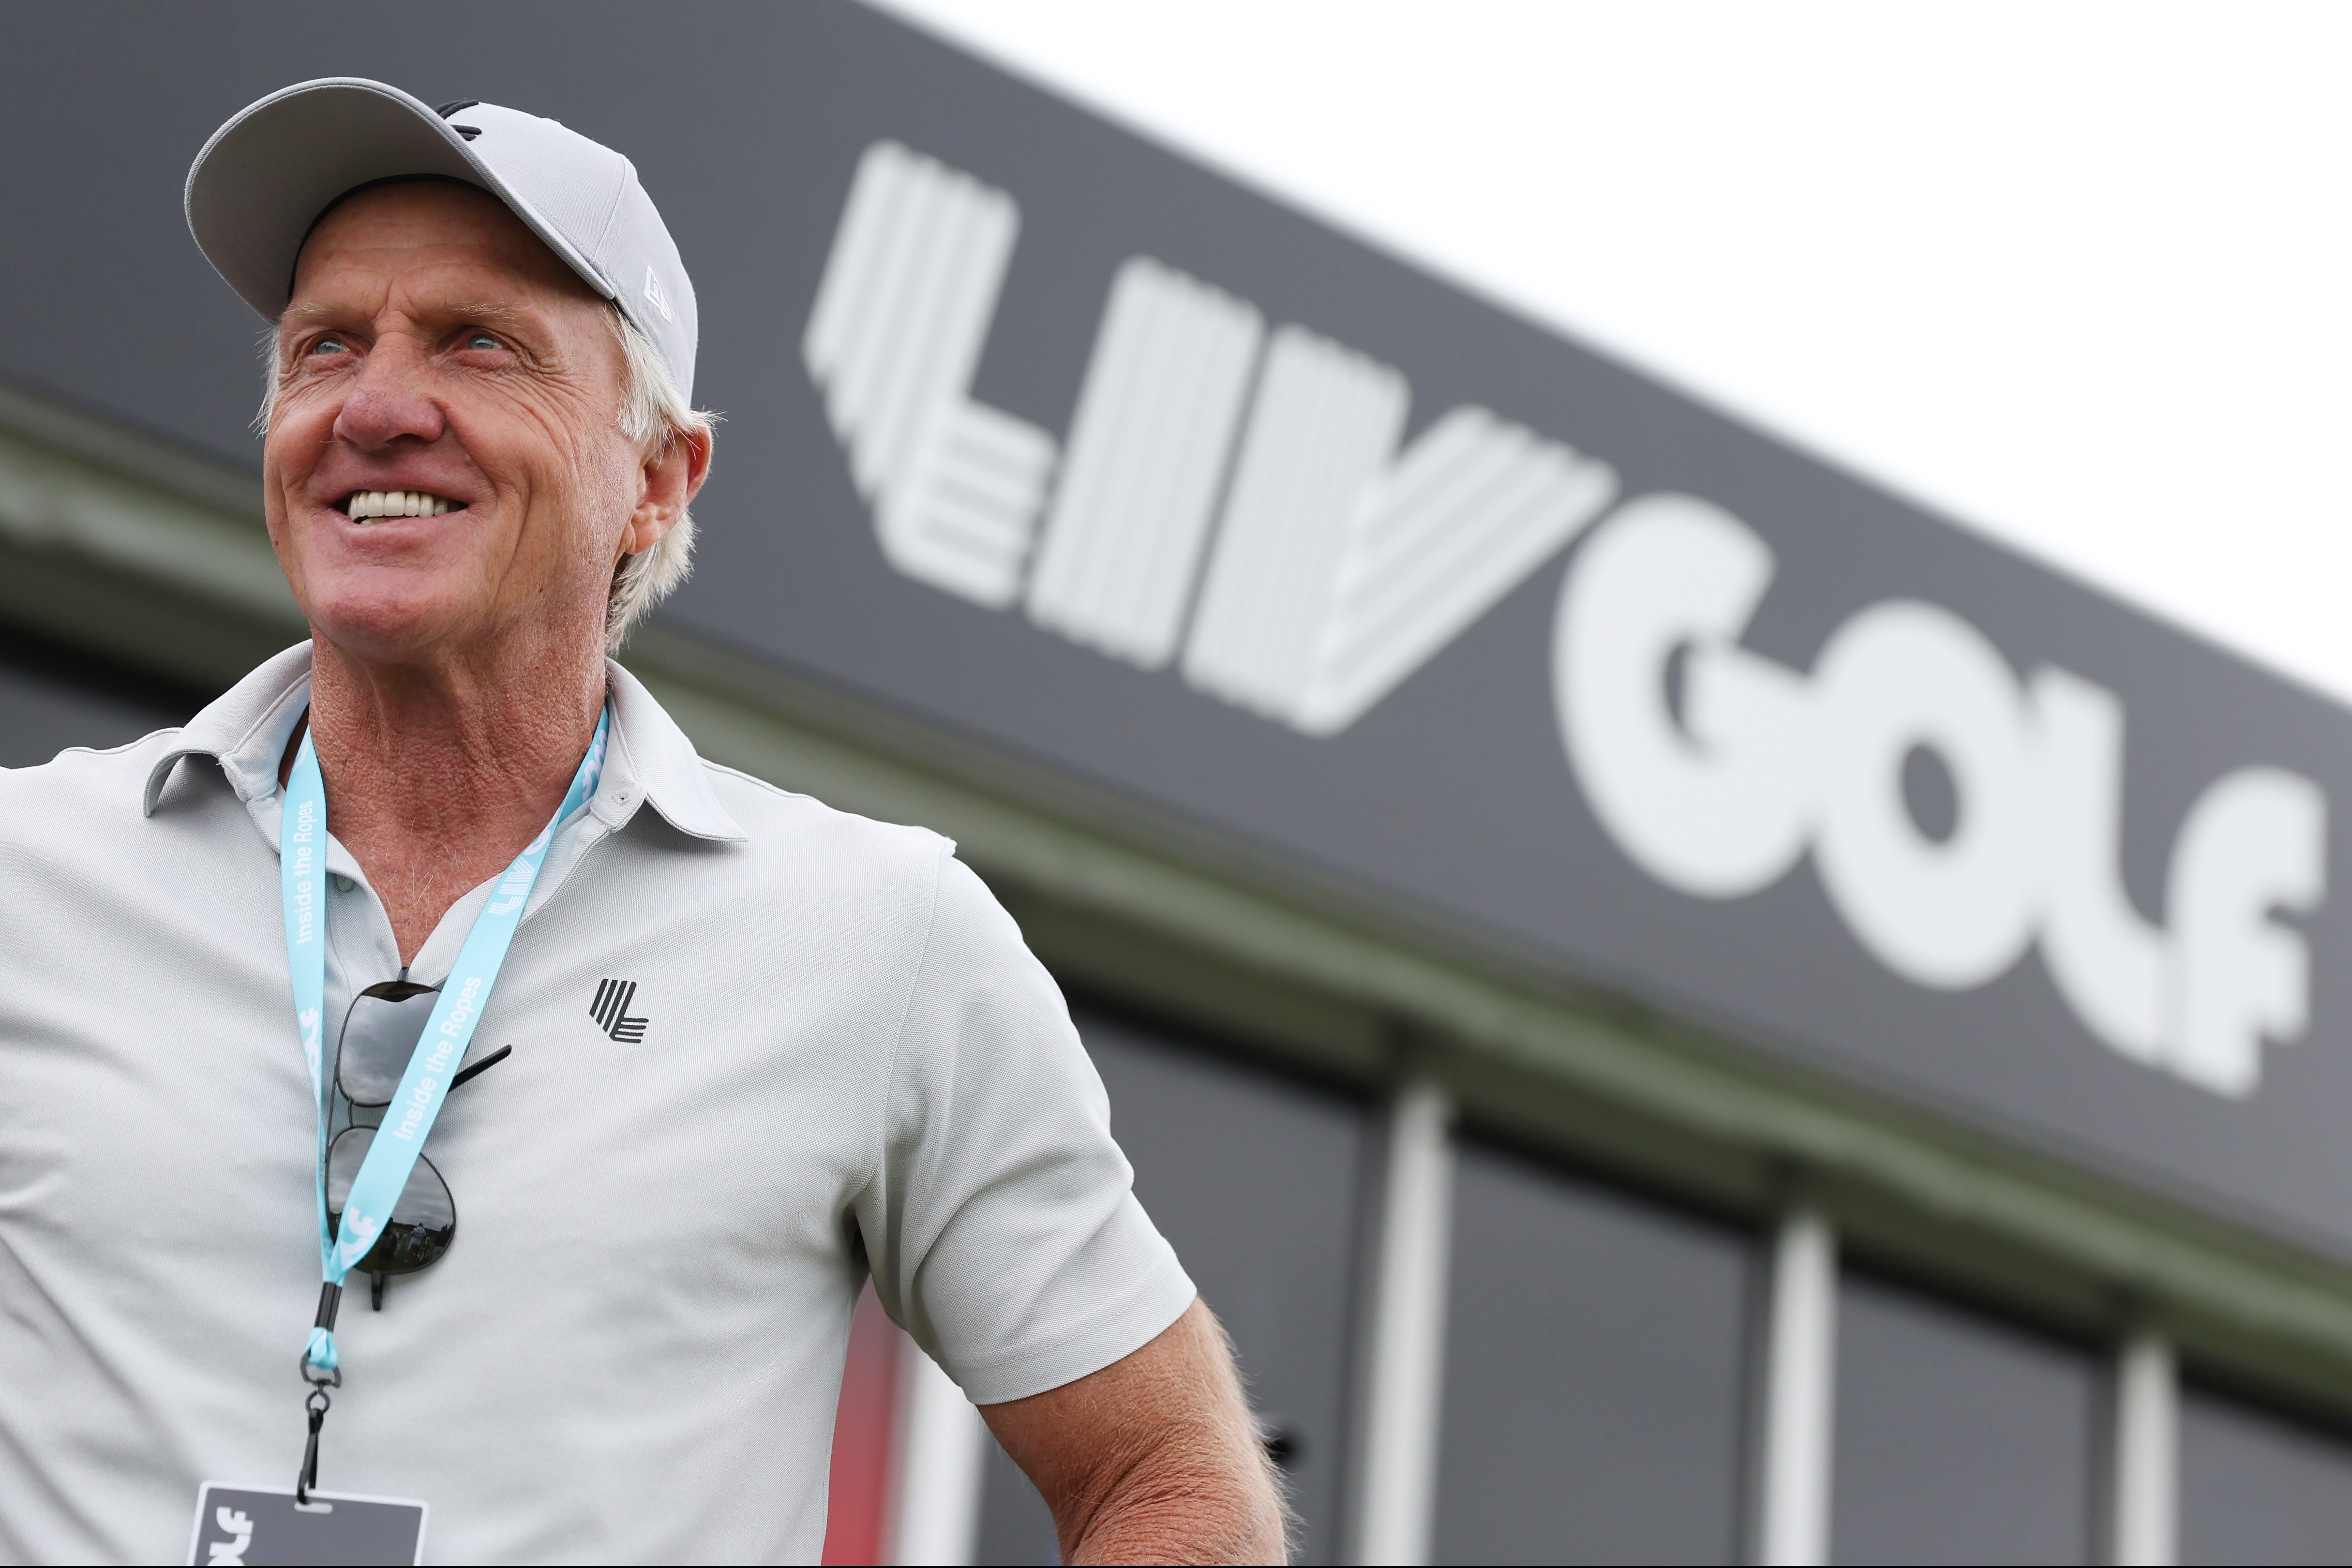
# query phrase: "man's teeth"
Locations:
[[396, 504]]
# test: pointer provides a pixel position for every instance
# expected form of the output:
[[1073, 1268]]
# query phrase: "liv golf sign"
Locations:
[[1234, 499]]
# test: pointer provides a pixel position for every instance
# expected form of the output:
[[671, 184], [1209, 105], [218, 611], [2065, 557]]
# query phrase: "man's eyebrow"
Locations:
[[297, 316], [485, 312]]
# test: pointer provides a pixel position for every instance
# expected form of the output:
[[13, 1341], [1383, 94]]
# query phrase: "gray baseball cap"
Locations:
[[264, 178]]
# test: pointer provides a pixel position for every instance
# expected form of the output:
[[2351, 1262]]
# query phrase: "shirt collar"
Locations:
[[652, 760], [246, 730]]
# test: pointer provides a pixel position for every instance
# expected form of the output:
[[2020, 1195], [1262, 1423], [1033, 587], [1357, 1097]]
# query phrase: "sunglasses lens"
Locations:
[[424, 1222], [380, 1034]]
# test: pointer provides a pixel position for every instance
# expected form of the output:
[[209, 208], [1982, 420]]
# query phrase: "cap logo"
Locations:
[[655, 294]]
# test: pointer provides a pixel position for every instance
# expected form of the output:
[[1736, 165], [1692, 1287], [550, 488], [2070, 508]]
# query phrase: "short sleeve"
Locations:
[[1001, 1224]]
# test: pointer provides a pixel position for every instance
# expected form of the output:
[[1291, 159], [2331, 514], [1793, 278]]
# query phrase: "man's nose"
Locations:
[[390, 400]]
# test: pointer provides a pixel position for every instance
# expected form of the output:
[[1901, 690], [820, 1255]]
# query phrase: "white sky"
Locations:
[[2080, 276]]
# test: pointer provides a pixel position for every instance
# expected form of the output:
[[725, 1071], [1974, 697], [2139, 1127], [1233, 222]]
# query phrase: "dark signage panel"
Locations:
[[1041, 432]]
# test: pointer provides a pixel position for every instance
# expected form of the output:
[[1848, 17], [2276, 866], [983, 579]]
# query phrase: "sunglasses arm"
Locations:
[[482, 1066]]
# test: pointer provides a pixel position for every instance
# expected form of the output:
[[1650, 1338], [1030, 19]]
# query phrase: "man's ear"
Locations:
[[671, 477]]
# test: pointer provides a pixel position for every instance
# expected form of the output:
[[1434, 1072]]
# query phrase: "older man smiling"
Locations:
[[750, 1050]]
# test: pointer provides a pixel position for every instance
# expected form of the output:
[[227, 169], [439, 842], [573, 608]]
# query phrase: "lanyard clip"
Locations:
[[321, 1370], [320, 1366], [316, 1407]]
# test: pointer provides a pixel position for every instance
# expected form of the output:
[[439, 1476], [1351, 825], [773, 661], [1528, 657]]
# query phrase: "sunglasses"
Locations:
[[371, 1053]]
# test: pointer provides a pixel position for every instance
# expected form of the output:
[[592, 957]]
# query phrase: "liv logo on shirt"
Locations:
[[611, 1010]]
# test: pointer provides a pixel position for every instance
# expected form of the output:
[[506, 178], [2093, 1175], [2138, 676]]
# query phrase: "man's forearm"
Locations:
[[1155, 1459], [1184, 1504]]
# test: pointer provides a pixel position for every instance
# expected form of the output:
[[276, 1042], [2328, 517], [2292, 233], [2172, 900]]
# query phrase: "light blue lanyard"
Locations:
[[383, 1174]]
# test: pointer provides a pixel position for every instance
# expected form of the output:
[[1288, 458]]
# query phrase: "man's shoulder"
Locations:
[[815, 836]]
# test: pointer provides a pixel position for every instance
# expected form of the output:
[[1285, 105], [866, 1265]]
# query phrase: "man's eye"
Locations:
[[330, 346], [482, 341]]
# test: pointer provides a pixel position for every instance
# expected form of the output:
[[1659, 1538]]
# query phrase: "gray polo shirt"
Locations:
[[838, 1053]]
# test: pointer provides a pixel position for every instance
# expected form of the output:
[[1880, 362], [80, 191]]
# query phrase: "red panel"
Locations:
[[858, 1498]]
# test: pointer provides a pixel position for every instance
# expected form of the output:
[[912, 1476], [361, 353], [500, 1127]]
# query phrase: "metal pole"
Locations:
[[2145, 1490], [1396, 1494], [941, 1443], [1799, 1394]]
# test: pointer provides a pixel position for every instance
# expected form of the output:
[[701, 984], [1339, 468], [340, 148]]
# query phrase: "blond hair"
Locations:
[[656, 416]]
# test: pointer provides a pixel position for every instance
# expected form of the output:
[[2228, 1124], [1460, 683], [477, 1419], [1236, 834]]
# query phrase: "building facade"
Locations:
[[1678, 1006]]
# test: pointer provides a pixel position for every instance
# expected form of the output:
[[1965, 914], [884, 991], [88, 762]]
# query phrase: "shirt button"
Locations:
[[343, 883]]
